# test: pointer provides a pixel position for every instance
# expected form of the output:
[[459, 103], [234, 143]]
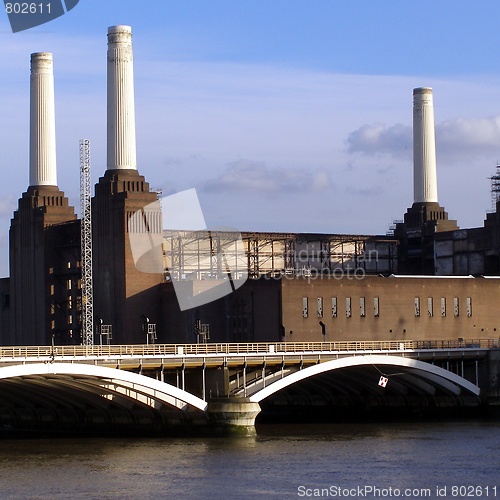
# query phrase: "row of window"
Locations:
[[442, 308], [69, 265], [348, 307], [69, 321], [69, 286], [376, 307]]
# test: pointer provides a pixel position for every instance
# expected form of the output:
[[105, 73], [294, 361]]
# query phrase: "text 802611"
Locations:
[[27, 8], [473, 491]]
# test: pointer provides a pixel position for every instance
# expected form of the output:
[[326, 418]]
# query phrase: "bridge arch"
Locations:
[[425, 375], [102, 382]]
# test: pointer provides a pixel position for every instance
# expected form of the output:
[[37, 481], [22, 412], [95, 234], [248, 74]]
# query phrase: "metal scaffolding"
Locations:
[[495, 189], [196, 254], [86, 244]]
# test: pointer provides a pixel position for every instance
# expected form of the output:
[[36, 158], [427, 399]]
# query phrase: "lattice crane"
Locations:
[[86, 244]]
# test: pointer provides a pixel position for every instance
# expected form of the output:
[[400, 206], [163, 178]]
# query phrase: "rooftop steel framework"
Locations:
[[197, 254]]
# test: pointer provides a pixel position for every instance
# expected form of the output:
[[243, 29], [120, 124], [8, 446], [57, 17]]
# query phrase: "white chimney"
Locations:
[[424, 147], [43, 169], [121, 114]]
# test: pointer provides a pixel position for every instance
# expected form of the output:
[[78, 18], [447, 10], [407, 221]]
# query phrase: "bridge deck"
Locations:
[[191, 355]]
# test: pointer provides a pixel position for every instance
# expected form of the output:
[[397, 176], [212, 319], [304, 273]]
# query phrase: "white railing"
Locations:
[[180, 350]]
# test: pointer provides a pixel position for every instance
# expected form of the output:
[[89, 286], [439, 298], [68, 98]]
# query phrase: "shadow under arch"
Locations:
[[431, 375], [109, 381]]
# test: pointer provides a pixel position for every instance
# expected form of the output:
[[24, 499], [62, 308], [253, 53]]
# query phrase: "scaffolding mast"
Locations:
[[86, 244], [495, 189]]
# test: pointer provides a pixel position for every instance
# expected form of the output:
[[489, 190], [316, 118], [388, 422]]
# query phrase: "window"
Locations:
[[305, 310], [348, 311], [376, 311], [455, 306], [443, 307], [362, 310], [417, 306], [469, 306], [334, 307], [320, 307], [430, 309]]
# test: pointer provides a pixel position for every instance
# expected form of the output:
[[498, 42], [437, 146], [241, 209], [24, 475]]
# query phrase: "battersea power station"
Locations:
[[152, 282]]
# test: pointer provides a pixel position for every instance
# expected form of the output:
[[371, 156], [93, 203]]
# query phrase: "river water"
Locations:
[[376, 460]]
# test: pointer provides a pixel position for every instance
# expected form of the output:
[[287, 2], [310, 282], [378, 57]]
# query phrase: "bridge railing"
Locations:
[[179, 350]]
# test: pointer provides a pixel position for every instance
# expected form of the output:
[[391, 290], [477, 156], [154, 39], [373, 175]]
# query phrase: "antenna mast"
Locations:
[[86, 244]]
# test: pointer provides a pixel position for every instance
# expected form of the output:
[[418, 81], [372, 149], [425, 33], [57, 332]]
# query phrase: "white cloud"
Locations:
[[253, 176], [395, 140], [456, 139], [470, 137]]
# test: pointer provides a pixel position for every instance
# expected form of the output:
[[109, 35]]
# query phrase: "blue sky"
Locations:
[[285, 115]]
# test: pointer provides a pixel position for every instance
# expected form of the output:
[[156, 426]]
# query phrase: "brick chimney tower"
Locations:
[[122, 293], [43, 205]]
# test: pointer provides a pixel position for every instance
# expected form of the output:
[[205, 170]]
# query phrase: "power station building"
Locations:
[[426, 281]]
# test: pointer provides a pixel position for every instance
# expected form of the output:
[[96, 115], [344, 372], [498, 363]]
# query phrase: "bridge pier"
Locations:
[[234, 416], [491, 384]]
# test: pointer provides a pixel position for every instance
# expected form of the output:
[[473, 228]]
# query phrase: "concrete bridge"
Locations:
[[222, 387]]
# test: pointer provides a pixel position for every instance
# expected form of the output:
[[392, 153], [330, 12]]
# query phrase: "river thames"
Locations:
[[447, 459]]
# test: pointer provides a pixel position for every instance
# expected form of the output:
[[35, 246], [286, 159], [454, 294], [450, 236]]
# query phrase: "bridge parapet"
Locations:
[[74, 352]]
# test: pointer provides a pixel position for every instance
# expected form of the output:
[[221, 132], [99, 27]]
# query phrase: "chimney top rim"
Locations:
[[120, 28], [422, 90], [41, 55]]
